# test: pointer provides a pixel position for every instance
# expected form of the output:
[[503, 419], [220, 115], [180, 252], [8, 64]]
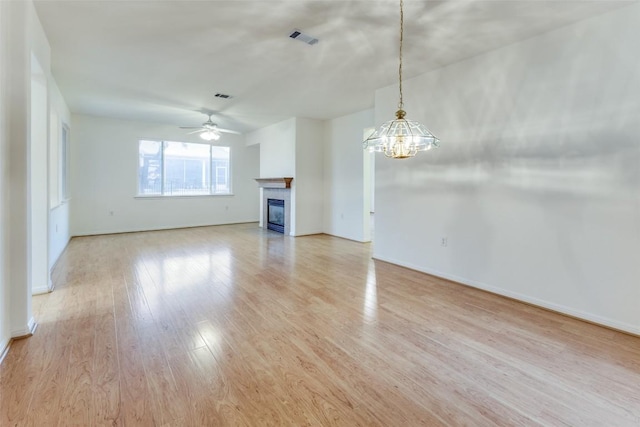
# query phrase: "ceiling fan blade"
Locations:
[[228, 131], [197, 131], [208, 126]]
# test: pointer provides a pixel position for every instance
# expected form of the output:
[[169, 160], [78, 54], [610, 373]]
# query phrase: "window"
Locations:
[[58, 161], [64, 163], [54, 160], [169, 168]]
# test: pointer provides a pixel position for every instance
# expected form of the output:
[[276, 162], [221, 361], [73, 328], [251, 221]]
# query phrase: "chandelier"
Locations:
[[401, 138]]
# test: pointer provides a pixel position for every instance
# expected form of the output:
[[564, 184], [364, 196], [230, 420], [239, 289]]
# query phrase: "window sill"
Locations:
[[193, 196]]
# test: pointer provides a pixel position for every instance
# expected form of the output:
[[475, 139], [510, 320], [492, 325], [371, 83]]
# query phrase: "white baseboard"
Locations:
[[27, 331], [39, 290], [32, 325], [4, 348], [589, 317], [347, 238], [101, 232]]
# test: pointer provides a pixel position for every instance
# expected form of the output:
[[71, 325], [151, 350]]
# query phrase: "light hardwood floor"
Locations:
[[236, 326]]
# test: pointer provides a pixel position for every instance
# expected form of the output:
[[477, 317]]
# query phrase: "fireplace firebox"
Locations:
[[275, 215]]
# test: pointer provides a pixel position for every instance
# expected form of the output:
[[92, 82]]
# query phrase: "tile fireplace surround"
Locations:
[[276, 188]]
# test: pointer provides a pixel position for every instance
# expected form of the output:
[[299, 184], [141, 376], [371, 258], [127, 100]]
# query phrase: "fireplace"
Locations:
[[275, 215], [275, 204]]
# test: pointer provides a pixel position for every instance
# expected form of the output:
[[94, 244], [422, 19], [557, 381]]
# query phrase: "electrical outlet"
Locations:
[[443, 241], [110, 213]]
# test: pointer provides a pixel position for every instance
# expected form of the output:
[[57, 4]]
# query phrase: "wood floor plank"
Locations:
[[135, 396], [105, 384], [51, 384], [238, 326], [19, 380], [75, 400], [166, 402]]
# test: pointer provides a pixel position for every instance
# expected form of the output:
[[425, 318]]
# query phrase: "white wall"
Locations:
[[18, 111], [38, 157], [309, 186], [59, 232], [5, 296], [104, 158], [345, 177], [537, 183], [277, 149], [38, 177]]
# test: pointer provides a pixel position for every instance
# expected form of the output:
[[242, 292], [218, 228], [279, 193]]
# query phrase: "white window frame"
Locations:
[[63, 179], [162, 169]]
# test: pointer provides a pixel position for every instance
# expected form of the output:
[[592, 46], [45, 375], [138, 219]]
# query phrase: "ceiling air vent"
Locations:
[[222, 95], [298, 35]]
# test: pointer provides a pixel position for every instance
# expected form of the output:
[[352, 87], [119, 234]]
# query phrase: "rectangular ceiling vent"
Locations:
[[298, 35], [222, 95]]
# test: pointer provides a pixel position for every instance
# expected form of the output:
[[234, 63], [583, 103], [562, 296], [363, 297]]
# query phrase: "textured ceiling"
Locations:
[[163, 61]]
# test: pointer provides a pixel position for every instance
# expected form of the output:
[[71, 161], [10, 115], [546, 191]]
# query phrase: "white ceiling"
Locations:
[[162, 61]]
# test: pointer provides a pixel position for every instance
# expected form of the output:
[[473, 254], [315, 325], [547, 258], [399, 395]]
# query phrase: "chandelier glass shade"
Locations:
[[401, 138]]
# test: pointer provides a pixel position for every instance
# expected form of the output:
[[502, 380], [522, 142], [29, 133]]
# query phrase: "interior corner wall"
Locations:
[[537, 183], [345, 176], [19, 77], [294, 148], [309, 190], [21, 36], [5, 331], [104, 159]]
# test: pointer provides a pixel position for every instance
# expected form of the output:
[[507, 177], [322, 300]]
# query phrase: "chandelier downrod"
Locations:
[[401, 138], [401, 103]]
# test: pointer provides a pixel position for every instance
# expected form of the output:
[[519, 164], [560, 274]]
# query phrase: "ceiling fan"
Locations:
[[209, 131]]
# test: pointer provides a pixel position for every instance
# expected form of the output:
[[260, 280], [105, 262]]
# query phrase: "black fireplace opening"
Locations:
[[275, 215]]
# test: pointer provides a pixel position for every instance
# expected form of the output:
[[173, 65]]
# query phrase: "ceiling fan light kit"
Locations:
[[210, 135], [209, 131]]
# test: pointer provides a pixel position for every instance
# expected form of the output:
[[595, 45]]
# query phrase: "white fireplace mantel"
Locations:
[[284, 182]]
